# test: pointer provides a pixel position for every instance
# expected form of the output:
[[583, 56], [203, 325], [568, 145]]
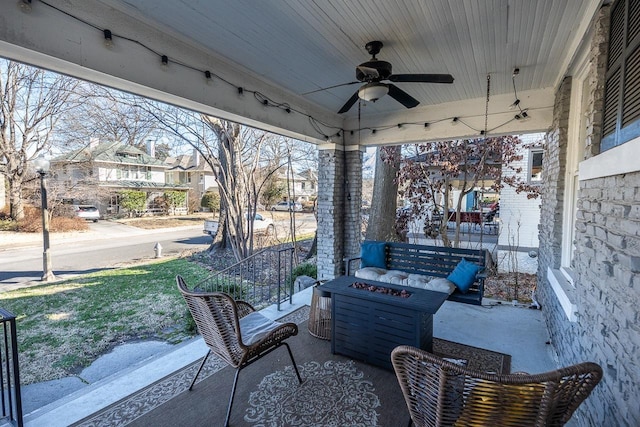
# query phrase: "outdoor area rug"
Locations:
[[336, 391]]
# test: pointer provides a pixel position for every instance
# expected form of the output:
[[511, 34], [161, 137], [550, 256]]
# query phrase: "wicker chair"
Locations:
[[234, 331], [442, 393]]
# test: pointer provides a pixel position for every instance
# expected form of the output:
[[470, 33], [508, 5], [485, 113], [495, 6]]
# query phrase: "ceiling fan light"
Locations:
[[373, 91]]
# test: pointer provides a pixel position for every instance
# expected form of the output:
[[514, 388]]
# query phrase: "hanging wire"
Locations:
[[319, 126], [486, 106]]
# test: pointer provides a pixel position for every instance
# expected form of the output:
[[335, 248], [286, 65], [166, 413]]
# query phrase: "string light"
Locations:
[[522, 115], [108, 39], [26, 5]]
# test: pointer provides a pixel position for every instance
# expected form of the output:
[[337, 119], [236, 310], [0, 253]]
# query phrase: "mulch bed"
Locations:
[[502, 286]]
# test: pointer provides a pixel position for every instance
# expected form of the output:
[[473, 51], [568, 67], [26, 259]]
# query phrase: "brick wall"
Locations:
[[339, 203], [606, 260], [519, 218]]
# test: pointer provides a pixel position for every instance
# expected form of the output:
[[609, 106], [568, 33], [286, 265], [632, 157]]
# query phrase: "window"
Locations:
[[621, 118], [535, 165]]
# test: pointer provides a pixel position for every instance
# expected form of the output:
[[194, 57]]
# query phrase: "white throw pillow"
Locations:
[[418, 280], [441, 284], [371, 273], [395, 277]]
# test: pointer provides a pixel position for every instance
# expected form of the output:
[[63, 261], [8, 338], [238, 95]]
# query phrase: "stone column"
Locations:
[[339, 202]]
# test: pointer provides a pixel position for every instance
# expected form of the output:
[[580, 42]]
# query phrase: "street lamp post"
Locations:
[[42, 167]]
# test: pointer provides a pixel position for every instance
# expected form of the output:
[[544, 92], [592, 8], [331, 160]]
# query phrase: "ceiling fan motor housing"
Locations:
[[383, 68]]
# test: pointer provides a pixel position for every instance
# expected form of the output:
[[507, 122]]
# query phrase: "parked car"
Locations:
[[88, 212], [287, 206]]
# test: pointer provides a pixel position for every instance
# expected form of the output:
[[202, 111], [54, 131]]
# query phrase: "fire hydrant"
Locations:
[[158, 250]]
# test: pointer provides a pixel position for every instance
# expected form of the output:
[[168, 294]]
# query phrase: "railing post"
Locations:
[[9, 372]]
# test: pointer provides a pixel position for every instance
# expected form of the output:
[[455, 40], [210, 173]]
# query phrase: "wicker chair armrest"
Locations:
[[244, 308]]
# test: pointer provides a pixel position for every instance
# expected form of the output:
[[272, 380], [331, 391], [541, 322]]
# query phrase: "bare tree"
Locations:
[[432, 170], [32, 101], [110, 115]]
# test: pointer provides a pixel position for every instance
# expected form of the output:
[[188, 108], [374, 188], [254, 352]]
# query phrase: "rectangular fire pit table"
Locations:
[[367, 325]]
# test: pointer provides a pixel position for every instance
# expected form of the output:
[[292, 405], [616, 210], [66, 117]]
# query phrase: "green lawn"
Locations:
[[63, 327]]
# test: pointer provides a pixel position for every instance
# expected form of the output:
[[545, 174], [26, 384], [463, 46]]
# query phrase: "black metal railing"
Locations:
[[9, 372], [262, 279]]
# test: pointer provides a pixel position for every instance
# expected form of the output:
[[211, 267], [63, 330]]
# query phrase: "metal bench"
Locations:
[[434, 261]]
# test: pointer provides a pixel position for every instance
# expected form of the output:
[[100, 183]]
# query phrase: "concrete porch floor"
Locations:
[[515, 330]]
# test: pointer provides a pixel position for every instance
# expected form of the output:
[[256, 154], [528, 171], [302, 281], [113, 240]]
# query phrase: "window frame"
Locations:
[[533, 151]]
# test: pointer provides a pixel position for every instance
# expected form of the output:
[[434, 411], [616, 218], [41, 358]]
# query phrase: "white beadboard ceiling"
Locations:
[[280, 50], [304, 45]]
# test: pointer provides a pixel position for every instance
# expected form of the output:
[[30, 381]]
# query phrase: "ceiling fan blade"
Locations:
[[402, 97], [347, 106], [330, 87], [421, 78]]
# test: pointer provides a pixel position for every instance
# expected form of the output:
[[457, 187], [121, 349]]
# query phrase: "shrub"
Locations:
[[133, 201], [304, 269], [211, 200], [32, 222]]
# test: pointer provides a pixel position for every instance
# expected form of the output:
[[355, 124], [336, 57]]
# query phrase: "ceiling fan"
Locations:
[[375, 71]]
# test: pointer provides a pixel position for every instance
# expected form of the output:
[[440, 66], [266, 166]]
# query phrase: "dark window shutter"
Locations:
[[616, 34], [622, 82], [634, 20], [631, 99]]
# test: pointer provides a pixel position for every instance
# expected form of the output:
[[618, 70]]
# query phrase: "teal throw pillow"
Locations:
[[372, 254], [464, 275]]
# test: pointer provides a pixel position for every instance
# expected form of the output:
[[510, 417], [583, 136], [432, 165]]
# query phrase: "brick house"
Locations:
[[97, 173], [191, 171], [519, 215]]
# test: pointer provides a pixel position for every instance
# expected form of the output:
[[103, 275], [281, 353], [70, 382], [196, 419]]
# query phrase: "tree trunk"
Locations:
[[16, 206], [314, 248], [382, 217]]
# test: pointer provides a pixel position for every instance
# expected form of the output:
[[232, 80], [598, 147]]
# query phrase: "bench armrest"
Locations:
[[348, 269]]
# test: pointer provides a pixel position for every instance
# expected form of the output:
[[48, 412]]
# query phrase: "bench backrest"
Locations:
[[437, 261]]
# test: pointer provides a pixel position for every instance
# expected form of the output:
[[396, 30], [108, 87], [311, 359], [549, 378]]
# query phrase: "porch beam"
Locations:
[[470, 114], [51, 40]]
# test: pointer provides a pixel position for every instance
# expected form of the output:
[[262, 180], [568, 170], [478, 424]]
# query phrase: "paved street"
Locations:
[[106, 245], [90, 252]]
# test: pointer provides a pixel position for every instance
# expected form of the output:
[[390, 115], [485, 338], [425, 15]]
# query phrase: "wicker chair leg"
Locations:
[[199, 369], [233, 393], [294, 363]]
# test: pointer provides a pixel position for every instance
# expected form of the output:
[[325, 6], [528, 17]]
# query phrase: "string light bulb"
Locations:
[[25, 5], [522, 116], [207, 76], [108, 39], [454, 121], [165, 61]]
